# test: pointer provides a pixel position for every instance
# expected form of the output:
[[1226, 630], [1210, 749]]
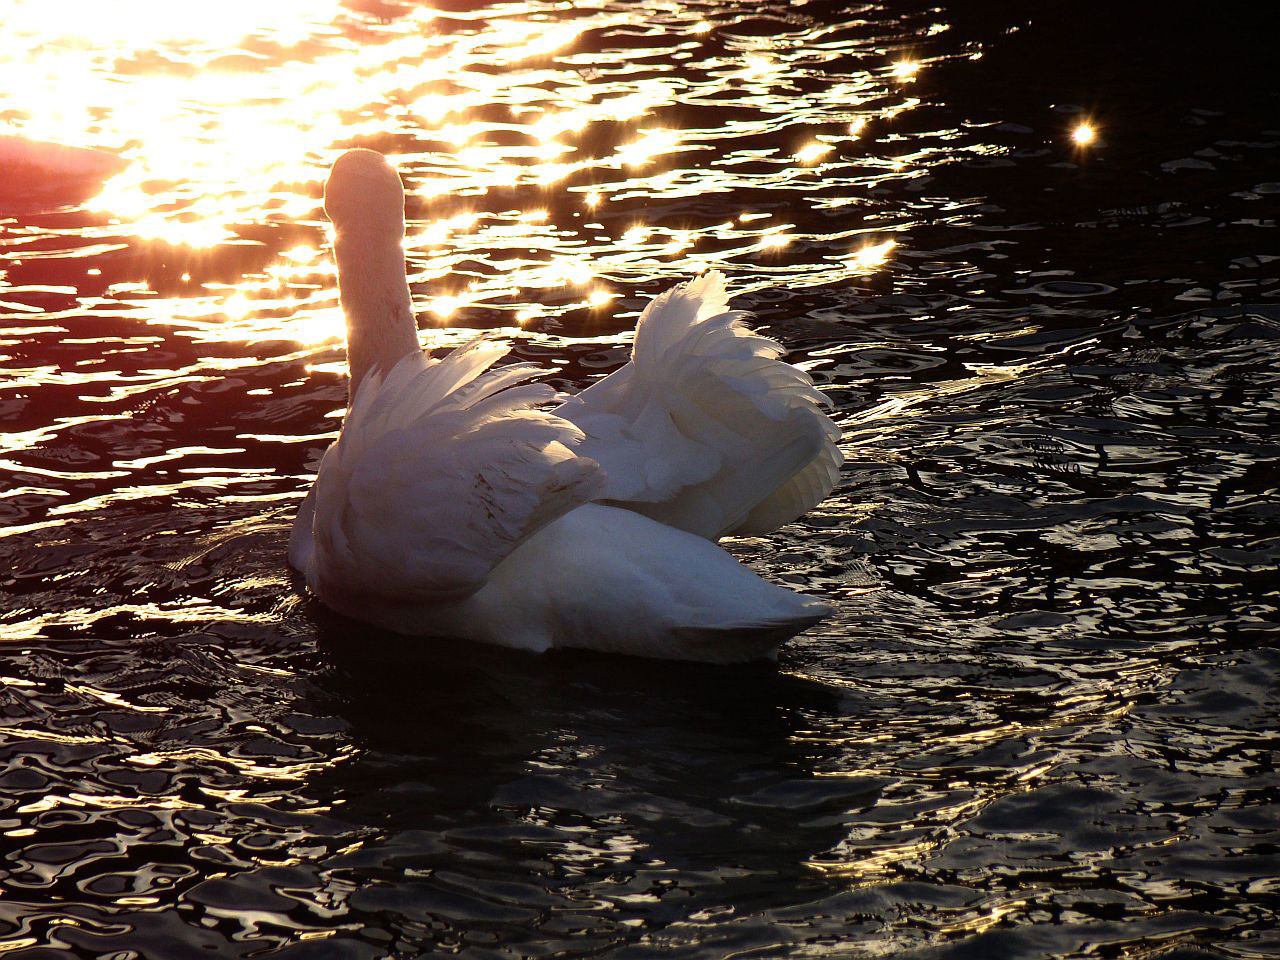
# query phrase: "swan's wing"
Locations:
[[706, 429], [441, 470]]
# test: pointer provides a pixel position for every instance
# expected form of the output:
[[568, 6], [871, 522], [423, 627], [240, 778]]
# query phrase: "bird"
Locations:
[[459, 501]]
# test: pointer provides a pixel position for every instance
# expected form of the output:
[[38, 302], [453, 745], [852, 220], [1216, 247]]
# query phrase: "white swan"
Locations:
[[453, 504]]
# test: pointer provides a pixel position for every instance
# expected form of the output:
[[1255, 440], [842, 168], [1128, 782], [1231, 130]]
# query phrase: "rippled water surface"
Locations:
[[1044, 722]]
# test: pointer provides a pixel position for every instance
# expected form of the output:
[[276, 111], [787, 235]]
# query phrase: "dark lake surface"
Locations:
[[1045, 720]]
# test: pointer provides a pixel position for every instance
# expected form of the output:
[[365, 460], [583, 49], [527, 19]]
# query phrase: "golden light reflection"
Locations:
[[651, 143], [438, 232], [547, 40], [756, 65], [811, 152], [550, 173], [134, 24], [237, 306], [206, 145], [446, 305], [561, 273], [226, 147], [905, 69], [319, 325], [872, 256], [457, 133], [552, 124], [1084, 134]]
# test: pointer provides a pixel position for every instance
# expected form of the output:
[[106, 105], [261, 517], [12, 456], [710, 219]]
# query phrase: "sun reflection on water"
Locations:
[[228, 118], [873, 255]]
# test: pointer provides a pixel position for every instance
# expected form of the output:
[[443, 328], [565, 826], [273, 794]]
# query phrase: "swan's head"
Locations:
[[364, 191]]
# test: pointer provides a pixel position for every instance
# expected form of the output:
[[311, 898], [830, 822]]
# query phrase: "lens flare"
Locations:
[[873, 255], [812, 152], [1084, 134]]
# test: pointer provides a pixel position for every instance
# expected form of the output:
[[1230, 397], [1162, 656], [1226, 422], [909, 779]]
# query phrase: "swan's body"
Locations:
[[453, 505]]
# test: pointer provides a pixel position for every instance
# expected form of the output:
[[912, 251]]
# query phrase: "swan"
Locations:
[[456, 503]]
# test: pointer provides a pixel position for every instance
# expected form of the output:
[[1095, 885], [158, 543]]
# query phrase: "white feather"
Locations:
[[706, 429], [440, 471]]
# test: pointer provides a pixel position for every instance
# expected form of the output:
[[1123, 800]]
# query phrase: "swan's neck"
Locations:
[[375, 299]]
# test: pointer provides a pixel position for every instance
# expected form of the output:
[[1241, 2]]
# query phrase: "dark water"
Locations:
[[1045, 721]]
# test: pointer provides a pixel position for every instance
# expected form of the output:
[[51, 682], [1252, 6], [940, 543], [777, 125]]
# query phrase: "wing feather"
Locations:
[[707, 428], [441, 470]]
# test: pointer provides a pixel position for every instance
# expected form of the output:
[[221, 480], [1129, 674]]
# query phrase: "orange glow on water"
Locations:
[[225, 148], [873, 255], [812, 152], [651, 143]]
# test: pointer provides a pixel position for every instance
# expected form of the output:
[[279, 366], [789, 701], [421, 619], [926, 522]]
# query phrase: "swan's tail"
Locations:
[[610, 579], [707, 429]]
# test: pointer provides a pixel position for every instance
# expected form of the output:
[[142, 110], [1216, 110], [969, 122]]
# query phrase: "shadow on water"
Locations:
[[536, 802]]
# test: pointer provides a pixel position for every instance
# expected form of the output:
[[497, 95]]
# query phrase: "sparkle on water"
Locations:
[[220, 142], [1043, 721]]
